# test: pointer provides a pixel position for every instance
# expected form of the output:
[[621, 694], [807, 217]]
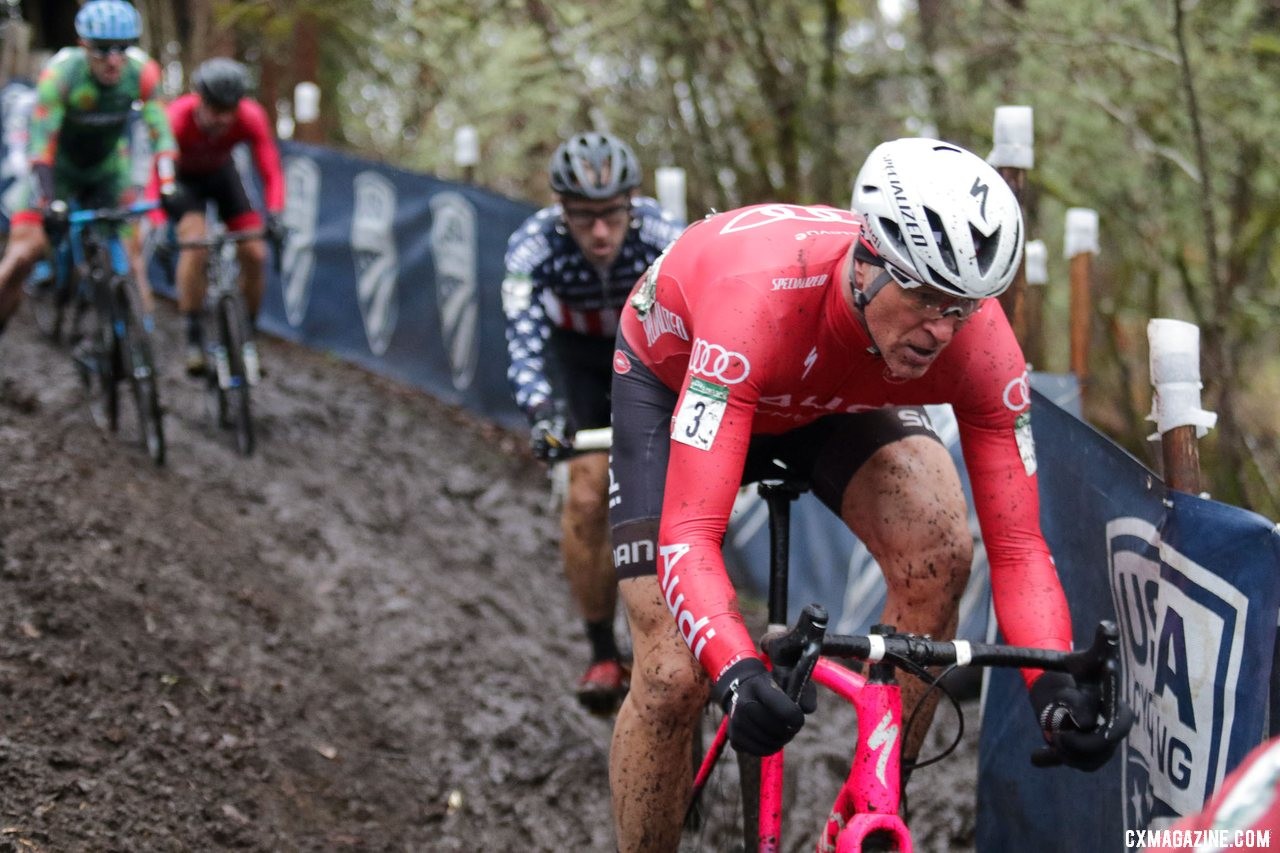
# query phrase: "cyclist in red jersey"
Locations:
[[814, 336], [87, 96], [208, 123]]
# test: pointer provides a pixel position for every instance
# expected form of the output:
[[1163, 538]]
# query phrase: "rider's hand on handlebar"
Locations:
[[1068, 714], [762, 719], [548, 436], [275, 229], [55, 215], [169, 202]]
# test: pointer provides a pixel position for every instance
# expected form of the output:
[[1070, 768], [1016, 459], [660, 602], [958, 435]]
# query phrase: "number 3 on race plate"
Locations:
[[700, 413]]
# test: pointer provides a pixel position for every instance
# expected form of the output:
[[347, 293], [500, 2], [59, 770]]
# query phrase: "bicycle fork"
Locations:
[[867, 805]]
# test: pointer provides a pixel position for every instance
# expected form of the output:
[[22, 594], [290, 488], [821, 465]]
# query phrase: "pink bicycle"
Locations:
[[865, 816]]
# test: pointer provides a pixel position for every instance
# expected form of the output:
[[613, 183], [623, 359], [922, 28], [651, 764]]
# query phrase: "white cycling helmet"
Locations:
[[941, 216]]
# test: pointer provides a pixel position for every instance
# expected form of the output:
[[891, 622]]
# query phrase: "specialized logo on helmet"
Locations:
[[768, 214], [373, 248], [911, 227], [302, 208], [715, 362], [980, 189], [453, 249]]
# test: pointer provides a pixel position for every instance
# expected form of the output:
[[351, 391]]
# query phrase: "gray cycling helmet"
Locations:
[[594, 165], [941, 215], [221, 82]]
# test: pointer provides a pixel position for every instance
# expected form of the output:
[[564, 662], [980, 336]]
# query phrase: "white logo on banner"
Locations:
[[1182, 633], [453, 249], [373, 247], [302, 208]]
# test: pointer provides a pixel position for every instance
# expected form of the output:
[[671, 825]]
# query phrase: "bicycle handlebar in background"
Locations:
[[112, 214], [587, 440]]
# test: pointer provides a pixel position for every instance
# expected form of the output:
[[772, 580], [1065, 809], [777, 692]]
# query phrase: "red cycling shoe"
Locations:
[[603, 686]]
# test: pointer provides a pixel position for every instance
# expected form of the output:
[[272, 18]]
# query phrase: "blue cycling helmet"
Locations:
[[108, 20]]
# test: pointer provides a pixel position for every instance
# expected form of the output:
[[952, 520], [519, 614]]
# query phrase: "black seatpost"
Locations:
[[778, 496]]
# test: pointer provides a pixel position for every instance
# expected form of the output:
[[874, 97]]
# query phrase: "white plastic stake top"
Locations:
[[1175, 374], [306, 102], [466, 146], [1014, 139], [1036, 258], [1082, 232], [670, 186]]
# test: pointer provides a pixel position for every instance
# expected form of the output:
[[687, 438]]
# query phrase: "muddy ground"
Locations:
[[357, 639]]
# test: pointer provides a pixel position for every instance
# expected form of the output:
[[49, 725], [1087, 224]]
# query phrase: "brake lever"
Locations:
[[797, 651]]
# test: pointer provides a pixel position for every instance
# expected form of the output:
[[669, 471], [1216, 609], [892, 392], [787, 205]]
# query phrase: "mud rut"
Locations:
[[358, 639]]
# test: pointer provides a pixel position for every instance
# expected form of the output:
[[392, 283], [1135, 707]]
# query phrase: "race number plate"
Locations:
[[698, 418]]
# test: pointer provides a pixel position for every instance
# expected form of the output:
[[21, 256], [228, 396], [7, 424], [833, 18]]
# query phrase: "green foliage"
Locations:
[[781, 101]]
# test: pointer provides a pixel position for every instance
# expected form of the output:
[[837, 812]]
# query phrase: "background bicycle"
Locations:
[[231, 350], [89, 267]]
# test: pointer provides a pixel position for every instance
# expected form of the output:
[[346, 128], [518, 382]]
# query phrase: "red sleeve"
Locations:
[[266, 155], [995, 433], [700, 491]]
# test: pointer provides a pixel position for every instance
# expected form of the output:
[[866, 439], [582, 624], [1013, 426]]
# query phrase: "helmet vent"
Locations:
[[945, 249], [984, 248]]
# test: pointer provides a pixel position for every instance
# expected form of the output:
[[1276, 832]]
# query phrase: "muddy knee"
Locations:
[[669, 690]]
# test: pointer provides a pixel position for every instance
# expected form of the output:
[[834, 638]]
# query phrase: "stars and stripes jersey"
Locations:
[[748, 318], [549, 283]]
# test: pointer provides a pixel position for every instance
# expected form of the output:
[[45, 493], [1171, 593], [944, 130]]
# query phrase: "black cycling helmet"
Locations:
[[221, 82], [594, 165]]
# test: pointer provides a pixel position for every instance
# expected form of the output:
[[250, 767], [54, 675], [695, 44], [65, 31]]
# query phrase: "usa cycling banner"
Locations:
[[398, 271], [1192, 585]]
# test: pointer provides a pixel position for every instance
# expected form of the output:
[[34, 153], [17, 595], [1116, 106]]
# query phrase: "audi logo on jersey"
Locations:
[[715, 362], [1017, 394], [692, 629]]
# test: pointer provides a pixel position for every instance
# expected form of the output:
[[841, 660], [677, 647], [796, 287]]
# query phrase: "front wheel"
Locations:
[[233, 329], [49, 299], [717, 820], [140, 369], [102, 357]]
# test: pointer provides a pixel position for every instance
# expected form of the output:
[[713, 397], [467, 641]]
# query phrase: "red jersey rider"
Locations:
[[815, 336], [208, 123]]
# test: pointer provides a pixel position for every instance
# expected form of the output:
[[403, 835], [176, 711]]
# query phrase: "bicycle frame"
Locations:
[[120, 347], [870, 796], [227, 337]]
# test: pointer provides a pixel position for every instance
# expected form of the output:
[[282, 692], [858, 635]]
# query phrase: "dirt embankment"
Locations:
[[357, 639]]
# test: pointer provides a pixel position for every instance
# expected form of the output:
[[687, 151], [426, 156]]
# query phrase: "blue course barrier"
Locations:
[[1192, 586]]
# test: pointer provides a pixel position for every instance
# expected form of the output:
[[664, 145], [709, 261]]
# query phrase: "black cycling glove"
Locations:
[[171, 202], [274, 229], [548, 436], [55, 216], [762, 718], [1068, 716]]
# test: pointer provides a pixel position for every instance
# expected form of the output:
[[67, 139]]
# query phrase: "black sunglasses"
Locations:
[[103, 49]]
